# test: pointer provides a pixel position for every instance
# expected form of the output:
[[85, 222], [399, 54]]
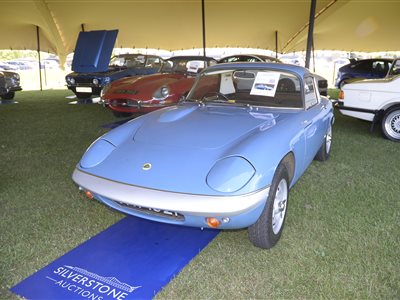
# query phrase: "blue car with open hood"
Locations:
[[225, 157], [94, 68]]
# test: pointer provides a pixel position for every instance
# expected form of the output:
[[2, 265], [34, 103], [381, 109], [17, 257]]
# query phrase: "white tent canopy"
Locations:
[[352, 25]]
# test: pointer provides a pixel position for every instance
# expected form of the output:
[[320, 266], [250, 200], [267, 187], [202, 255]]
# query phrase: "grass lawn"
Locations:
[[342, 235]]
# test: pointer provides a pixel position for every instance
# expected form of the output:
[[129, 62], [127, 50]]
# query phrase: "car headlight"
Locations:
[[164, 92], [230, 174], [96, 153], [70, 80], [16, 76], [161, 93], [95, 81]]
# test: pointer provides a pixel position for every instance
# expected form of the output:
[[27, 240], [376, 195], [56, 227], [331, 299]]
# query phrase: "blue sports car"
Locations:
[[225, 157]]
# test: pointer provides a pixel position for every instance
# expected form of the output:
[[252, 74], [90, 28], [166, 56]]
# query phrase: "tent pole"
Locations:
[[313, 55], [38, 51], [310, 32], [83, 27], [204, 27], [276, 43]]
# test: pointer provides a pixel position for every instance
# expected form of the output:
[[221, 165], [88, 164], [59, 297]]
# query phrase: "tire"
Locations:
[[8, 96], [391, 124], [120, 114], [325, 150], [266, 232]]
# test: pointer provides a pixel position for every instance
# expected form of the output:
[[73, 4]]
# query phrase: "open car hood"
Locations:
[[93, 51]]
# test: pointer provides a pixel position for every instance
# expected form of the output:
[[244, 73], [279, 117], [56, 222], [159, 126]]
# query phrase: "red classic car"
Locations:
[[147, 93]]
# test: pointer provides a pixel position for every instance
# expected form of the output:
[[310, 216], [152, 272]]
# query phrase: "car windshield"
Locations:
[[184, 65], [128, 61], [269, 88]]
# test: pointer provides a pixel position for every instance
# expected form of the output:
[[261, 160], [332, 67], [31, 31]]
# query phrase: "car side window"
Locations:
[[231, 59], [395, 68], [363, 66], [154, 62], [379, 67], [310, 94]]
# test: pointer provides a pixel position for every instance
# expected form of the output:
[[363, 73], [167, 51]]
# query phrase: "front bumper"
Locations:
[[15, 88], [9, 89], [131, 106], [240, 210], [88, 89]]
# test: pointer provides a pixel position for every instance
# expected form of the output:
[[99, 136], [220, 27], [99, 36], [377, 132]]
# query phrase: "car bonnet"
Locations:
[[202, 127], [181, 144]]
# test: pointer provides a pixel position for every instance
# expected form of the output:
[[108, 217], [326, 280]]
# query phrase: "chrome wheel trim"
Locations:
[[328, 139], [280, 206], [392, 124]]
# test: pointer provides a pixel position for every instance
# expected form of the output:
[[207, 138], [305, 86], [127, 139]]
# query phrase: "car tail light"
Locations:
[[341, 95], [213, 222]]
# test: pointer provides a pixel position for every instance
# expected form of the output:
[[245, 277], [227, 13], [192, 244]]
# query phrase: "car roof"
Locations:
[[259, 56], [192, 57], [134, 54], [372, 59], [301, 71]]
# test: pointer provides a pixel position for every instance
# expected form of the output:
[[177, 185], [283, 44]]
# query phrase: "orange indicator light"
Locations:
[[213, 222], [89, 194]]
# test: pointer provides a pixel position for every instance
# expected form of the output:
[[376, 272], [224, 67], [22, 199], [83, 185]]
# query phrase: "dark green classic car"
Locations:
[[9, 84]]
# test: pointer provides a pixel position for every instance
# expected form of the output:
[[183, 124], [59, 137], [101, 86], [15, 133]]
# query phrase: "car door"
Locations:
[[314, 121]]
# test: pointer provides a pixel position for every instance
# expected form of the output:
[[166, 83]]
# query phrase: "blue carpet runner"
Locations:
[[132, 259]]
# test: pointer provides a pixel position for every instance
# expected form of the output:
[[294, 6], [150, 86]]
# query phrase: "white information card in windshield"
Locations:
[[265, 84]]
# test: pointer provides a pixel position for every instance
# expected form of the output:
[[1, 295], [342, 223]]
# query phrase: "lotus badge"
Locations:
[[146, 166]]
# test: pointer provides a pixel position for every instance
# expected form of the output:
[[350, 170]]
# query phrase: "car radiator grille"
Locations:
[[83, 80], [11, 82], [171, 215], [124, 103]]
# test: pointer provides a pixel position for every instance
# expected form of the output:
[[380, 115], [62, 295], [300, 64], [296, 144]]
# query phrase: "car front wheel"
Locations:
[[266, 232], [8, 96], [325, 150], [391, 124]]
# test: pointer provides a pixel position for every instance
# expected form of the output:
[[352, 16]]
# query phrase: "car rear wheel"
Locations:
[[325, 150], [391, 124], [8, 96], [266, 232]]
